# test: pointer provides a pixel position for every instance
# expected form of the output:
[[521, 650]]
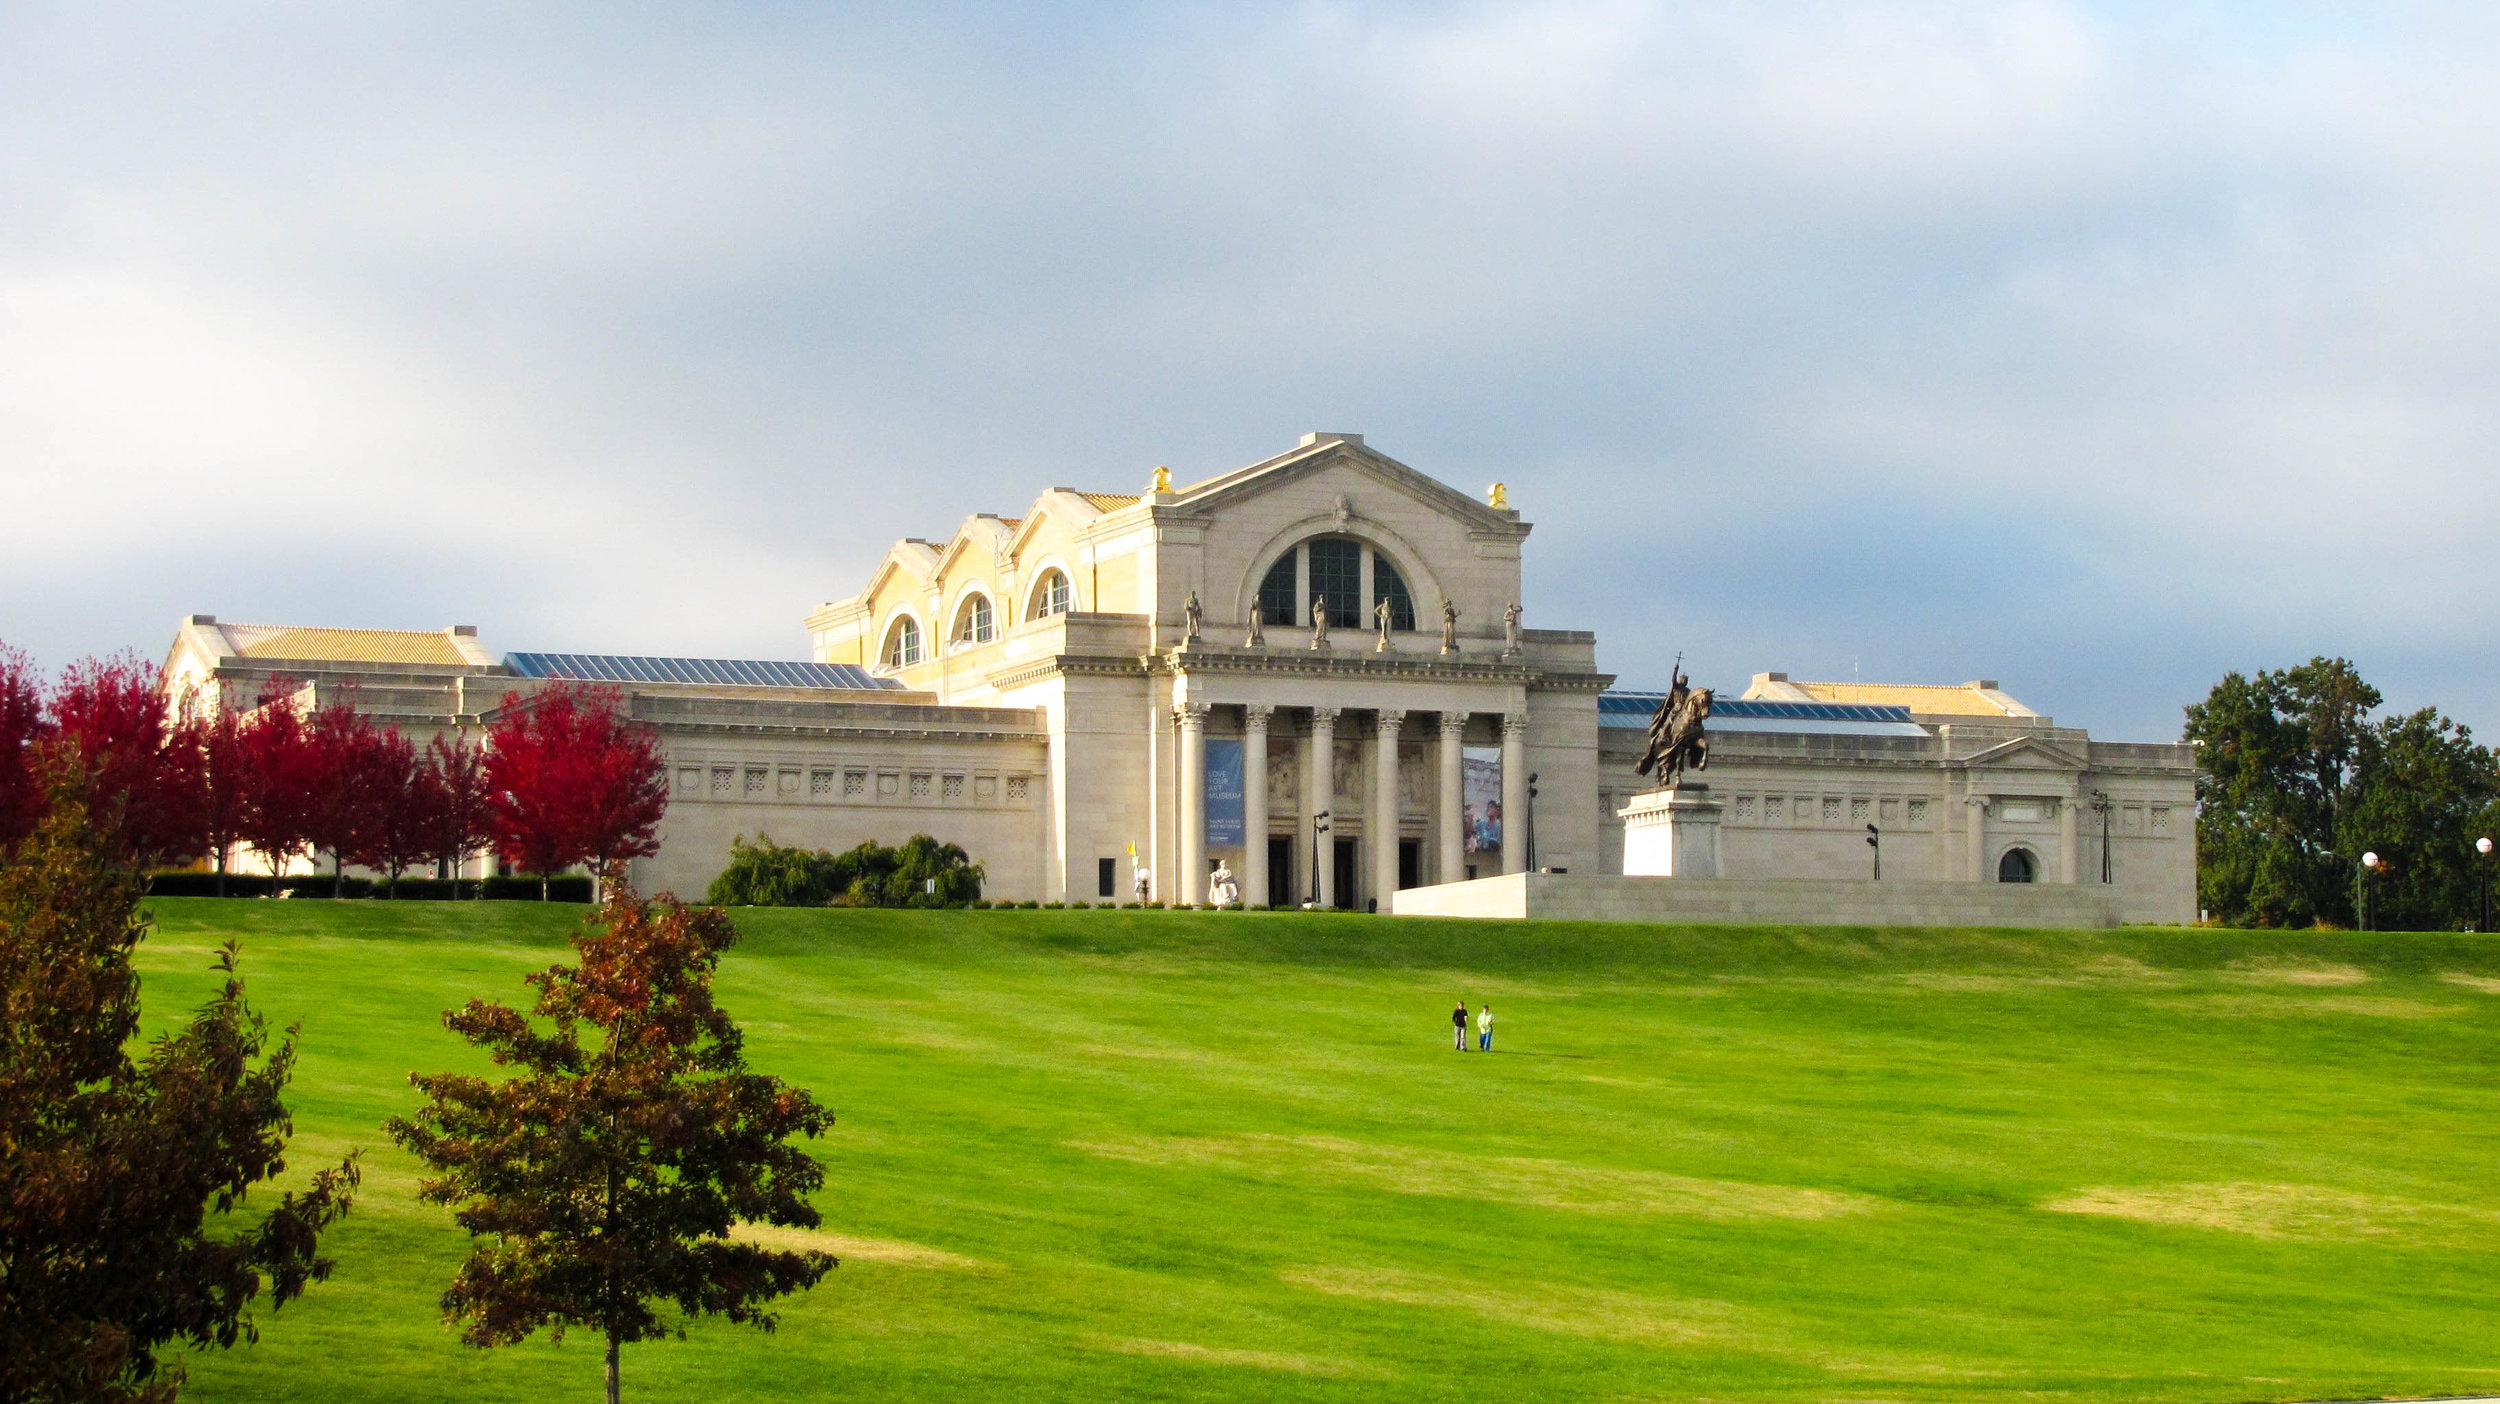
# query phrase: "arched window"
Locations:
[[974, 623], [1349, 575], [2016, 866], [902, 643], [1388, 585], [1050, 595]]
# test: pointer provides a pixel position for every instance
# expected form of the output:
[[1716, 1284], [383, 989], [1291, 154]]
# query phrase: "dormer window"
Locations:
[[974, 623], [902, 643], [1349, 575], [1050, 595]]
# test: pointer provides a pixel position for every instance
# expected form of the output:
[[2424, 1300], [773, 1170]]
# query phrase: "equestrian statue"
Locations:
[[1676, 742]]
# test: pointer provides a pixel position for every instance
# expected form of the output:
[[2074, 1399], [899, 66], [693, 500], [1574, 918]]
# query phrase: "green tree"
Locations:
[[113, 1170], [606, 1174], [765, 874], [2297, 781]]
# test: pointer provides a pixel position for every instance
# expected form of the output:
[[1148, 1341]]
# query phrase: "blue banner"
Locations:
[[1223, 793], [1480, 787]]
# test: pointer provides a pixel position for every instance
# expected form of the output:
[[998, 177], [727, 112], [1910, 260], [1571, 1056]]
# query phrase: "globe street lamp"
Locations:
[[1875, 840], [2369, 891], [2483, 847], [2101, 806], [1319, 826]]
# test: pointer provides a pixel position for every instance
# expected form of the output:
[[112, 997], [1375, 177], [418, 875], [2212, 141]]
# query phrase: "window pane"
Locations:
[[1276, 602], [1337, 576], [1389, 585]]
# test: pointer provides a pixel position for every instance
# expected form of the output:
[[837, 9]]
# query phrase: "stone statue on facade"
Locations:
[[1319, 621], [1380, 616], [1510, 628], [1676, 741], [1449, 627], [1223, 889], [1190, 618], [1258, 627]]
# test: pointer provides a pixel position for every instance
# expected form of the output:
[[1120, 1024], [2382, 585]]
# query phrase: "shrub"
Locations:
[[921, 873]]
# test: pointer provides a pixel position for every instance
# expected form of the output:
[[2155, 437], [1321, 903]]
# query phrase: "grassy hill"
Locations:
[[1099, 1155]]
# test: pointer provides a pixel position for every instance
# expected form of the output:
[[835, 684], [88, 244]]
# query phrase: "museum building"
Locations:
[[1312, 670]]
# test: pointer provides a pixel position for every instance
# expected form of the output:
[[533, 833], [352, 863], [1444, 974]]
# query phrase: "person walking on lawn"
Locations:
[[1458, 1021], [1484, 1030]]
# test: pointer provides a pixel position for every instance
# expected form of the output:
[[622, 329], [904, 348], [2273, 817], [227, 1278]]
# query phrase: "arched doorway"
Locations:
[[2017, 866]]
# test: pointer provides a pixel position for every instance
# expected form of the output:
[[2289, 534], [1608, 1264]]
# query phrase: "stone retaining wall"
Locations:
[[1768, 901]]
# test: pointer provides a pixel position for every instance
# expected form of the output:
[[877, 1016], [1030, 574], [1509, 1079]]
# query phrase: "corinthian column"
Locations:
[[1453, 797], [1193, 885], [1254, 879], [1382, 822], [1515, 792], [1319, 787]]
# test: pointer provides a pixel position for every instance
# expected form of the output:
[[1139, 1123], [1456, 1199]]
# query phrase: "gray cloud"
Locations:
[[2097, 349]]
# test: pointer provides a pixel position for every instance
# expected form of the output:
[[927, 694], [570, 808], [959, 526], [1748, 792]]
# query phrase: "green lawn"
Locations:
[[1097, 1155]]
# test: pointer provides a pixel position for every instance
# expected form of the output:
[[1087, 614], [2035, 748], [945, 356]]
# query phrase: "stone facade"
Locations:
[[1043, 689]]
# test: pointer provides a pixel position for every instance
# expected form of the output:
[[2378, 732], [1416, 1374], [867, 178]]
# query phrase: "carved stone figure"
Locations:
[[1510, 628], [1190, 618], [1258, 627], [1381, 617], [1319, 621], [1449, 627], [1676, 740]]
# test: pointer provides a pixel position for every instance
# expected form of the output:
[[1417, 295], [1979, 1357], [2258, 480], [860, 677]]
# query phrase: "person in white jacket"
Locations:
[[1484, 1030]]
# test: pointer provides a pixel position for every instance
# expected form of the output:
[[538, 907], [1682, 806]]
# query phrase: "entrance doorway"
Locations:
[[1280, 888], [1347, 849], [2016, 866], [1410, 863]]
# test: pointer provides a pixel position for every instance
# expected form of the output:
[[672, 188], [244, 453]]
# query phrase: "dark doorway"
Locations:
[[1280, 888], [2015, 866], [1107, 876], [1347, 898], [1410, 863]]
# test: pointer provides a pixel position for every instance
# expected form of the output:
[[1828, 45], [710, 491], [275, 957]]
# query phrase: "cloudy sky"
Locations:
[[2094, 348]]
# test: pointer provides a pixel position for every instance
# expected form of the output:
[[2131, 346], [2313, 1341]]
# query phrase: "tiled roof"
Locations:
[[1110, 501], [1926, 699], [344, 645], [715, 672]]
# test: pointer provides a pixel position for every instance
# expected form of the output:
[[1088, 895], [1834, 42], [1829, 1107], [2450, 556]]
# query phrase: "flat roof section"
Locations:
[[704, 672], [1634, 709]]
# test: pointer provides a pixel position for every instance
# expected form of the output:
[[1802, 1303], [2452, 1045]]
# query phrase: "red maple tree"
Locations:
[[459, 828], [570, 778], [113, 717], [224, 777], [400, 796], [344, 764], [284, 777], [21, 730]]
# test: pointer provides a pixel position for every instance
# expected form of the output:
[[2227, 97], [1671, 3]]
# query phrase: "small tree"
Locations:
[[110, 1170], [570, 779], [459, 831], [21, 728], [225, 780], [607, 1174]]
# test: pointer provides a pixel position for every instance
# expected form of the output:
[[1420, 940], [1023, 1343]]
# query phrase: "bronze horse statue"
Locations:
[[1676, 741]]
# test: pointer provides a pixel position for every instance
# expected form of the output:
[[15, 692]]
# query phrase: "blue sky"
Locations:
[[2095, 349]]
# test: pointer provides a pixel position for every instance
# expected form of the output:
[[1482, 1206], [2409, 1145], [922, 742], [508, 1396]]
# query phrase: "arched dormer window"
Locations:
[[974, 622], [1349, 575], [1050, 595], [902, 643]]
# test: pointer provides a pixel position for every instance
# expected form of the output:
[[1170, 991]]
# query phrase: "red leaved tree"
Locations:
[[570, 778], [460, 823], [284, 778], [341, 814], [21, 730], [400, 797], [112, 716], [224, 777]]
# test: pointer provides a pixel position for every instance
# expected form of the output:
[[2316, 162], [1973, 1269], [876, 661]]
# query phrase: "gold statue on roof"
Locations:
[[1498, 496], [1163, 478]]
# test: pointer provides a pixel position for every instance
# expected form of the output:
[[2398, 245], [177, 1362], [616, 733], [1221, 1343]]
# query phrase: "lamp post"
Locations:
[[2101, 806], [2482, 846], [1319, 826], [1875, 840], [2370, 863], [1532, 821]]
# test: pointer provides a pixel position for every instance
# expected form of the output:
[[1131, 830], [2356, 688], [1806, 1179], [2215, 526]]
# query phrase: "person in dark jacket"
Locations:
[[1458, 1025]]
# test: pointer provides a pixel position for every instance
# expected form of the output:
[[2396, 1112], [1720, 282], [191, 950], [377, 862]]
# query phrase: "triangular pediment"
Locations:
[[2026, 753], [1333, 453]]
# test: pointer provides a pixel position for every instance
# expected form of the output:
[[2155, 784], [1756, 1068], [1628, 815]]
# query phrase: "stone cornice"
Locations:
[[1203, 657], [1057, 665]]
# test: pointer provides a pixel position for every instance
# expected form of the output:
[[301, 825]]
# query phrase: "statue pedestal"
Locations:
[[1671, 833]]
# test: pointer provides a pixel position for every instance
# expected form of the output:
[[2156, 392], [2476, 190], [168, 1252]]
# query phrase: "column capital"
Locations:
[[1514, 724], [1390, 719], [1256, 715], [1325, 716], [1191, 714], [1454, 724]]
